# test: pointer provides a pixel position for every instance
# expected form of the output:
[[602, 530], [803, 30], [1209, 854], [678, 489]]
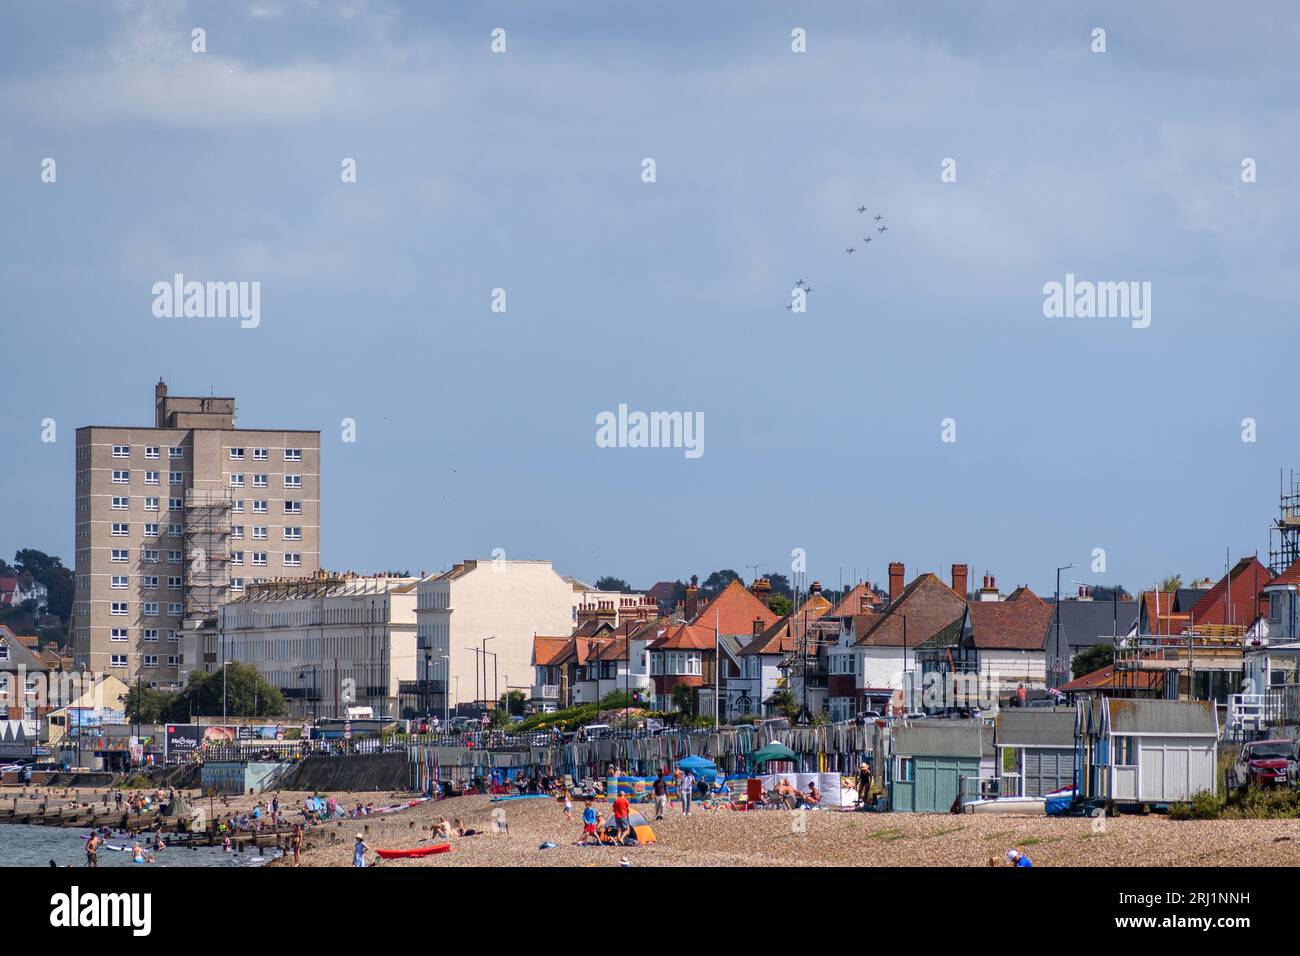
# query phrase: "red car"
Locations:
[[1262, 763]]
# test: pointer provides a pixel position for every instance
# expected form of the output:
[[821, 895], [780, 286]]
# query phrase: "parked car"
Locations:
[[1263, 763], [594, 731]]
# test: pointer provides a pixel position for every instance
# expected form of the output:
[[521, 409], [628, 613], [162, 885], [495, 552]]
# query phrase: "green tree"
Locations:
[[512, 702], [149, 705], [1094, 658], [785, 704], [49, 570], [1171, 583], [684, 699], [780, 605], [716, 581], [608, 583], [780, 584], [247, 694]]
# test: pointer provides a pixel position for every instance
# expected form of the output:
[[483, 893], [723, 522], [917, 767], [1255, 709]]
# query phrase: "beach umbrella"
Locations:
[[697, 764], [774, 751]]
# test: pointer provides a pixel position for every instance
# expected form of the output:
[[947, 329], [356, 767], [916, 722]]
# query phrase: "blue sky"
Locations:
[[522, 171]]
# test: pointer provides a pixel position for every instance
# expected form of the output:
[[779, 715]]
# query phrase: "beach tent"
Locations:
[[697, 765], [774, 751], [640, 827]]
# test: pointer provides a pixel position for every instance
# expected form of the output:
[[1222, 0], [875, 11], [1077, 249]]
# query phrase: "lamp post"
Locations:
[[1056, 651], [446, 688], [906, 695], [490, 637], [224, 662]]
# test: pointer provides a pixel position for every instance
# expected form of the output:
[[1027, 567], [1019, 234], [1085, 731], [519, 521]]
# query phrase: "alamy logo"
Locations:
[[1083, 299], [651, 430], [76, 909], [208, 300]]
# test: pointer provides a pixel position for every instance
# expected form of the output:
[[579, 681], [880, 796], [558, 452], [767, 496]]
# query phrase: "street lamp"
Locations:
[[446, 688], [491, 637], [1056, 652]]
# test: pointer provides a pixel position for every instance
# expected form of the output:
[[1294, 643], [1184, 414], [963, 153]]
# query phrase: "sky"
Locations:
[[522, 170]]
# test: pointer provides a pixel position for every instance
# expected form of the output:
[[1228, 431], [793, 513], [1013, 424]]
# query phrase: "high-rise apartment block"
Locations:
[[174, 520]]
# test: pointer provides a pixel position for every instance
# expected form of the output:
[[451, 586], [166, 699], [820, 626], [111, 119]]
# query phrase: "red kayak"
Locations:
[[417, 851]]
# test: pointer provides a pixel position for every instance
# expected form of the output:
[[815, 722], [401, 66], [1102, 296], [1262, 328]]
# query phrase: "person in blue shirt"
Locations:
[[359, 851], [1016, 858], [590, 823]]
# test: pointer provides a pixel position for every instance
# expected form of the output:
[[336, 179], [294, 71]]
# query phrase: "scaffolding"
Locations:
[[207, 554], [1168, 665], [1284, 533]]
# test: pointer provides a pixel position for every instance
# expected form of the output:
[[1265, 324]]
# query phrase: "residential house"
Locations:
[[1271, 695], [989, 654], [17, 589], [1146, 752], [1085, 623], [593, 663], [22, 679], [872, 662], [762, 658]]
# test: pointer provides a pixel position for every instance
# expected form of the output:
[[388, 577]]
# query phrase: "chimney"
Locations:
[[762, 590], [815, 588], [692, 597], [990, 590], [758, 626], [896, 573], [159, 399], [959, 572]]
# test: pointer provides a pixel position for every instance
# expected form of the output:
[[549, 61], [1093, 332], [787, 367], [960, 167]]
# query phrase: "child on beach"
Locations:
[[568, 805], [590, 823]]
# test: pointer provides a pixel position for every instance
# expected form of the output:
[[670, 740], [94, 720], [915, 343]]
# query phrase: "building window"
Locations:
[[151, 451], [237, 558], [292, 559], [237, 532], [118, 554], [150, 582], [151, 477], [118, 609], [121, 451], [236, 584], [149, 555], [293, 481], [175, 477], [120, 503], [236, 454], [152, 504], [121, 477], [293, 507], [150, 608], [259, 532], [117, 660], [175, 610], [237, 507], [173, 583], [293, 454], [119, 582], [175, 452], [150, 530], [903, 772], [259, 558], [293, 534], [175, 504], [121, 529], [151, 634], [175, 530], [260, 507], [151, 660], [236, 481], [259, 481], [175, 557], [117, 634]]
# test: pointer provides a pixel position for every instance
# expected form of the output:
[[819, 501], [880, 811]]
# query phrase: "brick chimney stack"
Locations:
[[959, 572], [896, 575], [762, 590], [692, 597], [989, 592]]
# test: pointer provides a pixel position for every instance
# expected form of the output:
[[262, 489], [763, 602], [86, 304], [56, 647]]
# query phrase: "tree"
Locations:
[[780, 605], [715, 582], [684, 699], [149, 705], [609, 583], [1171, 583], [247, 694], [1094, 658], [676, 595], [49, 570], [1114, 592], [785, 704], [512, 702]]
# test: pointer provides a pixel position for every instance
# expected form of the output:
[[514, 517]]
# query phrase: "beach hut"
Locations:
[[1035, 751], [1143, 753], [933, 763]]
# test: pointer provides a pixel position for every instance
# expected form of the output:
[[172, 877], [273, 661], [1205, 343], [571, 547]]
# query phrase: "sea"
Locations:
[[22, 845]]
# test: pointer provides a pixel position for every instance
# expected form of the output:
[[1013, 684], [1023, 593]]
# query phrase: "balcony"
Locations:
[[546, 692]]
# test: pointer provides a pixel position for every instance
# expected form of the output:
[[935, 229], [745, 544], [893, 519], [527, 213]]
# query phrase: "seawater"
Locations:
[[22, 845]]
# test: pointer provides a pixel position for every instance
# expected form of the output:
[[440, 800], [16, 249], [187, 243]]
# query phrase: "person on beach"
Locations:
[[443, 829], [622, 813], [590, 822], [864, 785], [659, 789], [686, 790], [568, 805], [813, 798], [92, 850], [296, 843], [1016, 858], [359, 851]]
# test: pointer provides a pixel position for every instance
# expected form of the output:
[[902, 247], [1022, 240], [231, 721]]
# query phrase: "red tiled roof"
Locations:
[[927, 603], [1104, 679], [694, 637], [1018, 623], [735, 610], [1235, 603], [1288, 578], [548, 650], [851, 603], [1160, 619]]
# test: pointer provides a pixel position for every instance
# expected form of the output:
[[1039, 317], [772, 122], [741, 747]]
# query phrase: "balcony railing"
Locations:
[[546, 691]]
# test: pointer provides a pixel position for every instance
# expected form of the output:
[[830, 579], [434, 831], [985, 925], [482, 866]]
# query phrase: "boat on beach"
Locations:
[[1023, 806]]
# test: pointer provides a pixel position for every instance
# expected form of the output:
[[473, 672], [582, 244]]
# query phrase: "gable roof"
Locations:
[[693, 637], [1085, 623], [734, 609], [1235, 598], [548, 651], [1138, 716], [851, 603], [19, 653], [928, 605], [1103, 678], [1018, 623], [1288, 578]]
